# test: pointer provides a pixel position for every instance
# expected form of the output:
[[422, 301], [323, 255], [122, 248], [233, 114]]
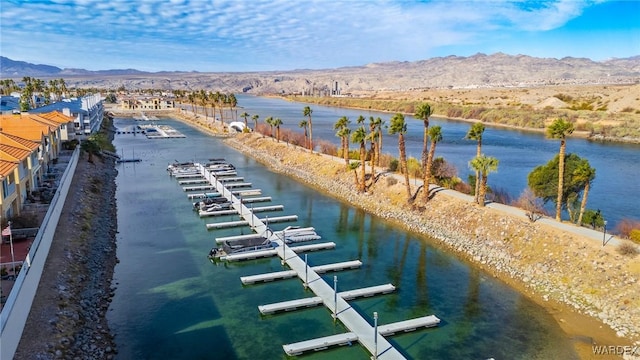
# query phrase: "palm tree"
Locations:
[[233, 102], [484, 165], [435, 134], [354, 166], [255, 121], [358, 137], [344, 137], [379, 125], [277, 122], [269, 121], [192, 101], [584, 173], [423, 112], [560, 129], [342, 127], [475, 133], [245, 115], [398, 126], [373, 138], [307, 112], [303, 124]]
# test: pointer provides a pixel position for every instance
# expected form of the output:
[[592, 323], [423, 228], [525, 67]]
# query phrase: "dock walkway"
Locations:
[[344, 312], [359, 328]]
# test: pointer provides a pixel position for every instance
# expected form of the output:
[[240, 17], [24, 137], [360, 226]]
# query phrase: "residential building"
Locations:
[[28, 143], [88, 112]]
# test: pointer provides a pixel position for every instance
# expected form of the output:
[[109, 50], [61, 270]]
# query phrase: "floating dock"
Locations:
[[359, 328], [318, 344], [274, 251], [287, 274], [229, 224], [313, 301]]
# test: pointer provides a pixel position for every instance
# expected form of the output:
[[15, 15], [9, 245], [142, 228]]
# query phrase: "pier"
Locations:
[[359, 328]]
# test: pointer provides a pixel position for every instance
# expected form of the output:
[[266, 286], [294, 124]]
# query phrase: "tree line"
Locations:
[[564, 181]]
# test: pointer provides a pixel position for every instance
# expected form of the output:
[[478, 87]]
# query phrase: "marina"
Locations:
[[265, 242], [184, 297]]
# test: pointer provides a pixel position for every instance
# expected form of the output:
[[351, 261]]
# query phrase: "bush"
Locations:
[[634, 235], [391, 180], [626, 226], [393, 165], [627, 249]]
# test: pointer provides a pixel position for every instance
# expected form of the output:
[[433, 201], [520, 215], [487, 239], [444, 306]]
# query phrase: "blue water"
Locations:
[[615, 190], [172, 303]]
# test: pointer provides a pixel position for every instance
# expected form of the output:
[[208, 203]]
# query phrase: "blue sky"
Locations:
[[257, 35]]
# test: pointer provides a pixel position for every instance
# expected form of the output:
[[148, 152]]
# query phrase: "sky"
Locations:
[[280, 35]]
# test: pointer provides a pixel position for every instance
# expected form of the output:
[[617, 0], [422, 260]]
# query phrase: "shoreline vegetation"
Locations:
[[596, 111], [590, 290]]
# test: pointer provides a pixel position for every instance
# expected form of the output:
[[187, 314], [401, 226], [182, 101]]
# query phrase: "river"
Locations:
[[172, 303], [615, 190]]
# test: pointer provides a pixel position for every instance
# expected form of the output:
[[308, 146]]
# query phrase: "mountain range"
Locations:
[[477, 71]]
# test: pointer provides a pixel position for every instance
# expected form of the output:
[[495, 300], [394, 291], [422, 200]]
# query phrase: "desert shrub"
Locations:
[[500, 195], [444, 172], [625, 226], [414, 167], [385, 160], [628, 109], [532, 205], [394, 164], [391, 180], [327, 147], [627, 249], [634, 235], [564, 97], [462, 187]]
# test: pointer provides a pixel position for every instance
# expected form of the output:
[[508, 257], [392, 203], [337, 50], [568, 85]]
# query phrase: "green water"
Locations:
[[172, 303]]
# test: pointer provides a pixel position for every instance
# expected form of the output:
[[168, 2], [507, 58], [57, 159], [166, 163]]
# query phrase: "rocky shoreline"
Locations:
[[592, 291], [68, 316]]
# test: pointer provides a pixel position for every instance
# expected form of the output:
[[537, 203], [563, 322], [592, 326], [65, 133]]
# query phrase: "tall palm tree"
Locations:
[[475, 133], [584, 173], [277, 122], [307, 112], [372, 137], [255, 121], [303, 124], [435, 134], [379, 125], [269, 122], [423, 111], [344, 137], [245, 115], [359, 137], [233, 102], [63, 87], [484, 165], [192, 101], [340, 126], [354, 166], [560, 129], [203, 100], [398, 126]]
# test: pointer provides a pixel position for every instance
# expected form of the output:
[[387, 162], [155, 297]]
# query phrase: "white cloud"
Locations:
[[283, 33]]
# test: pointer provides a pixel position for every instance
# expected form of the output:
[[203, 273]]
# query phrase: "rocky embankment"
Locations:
[[558, 269], [67, 319]]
